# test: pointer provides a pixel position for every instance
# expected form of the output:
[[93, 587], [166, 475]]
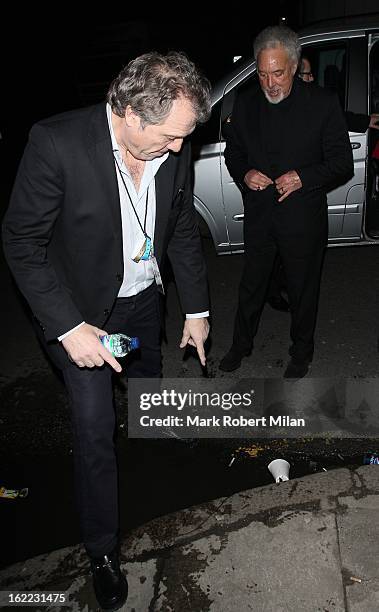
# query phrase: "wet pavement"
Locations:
[[306, 545]]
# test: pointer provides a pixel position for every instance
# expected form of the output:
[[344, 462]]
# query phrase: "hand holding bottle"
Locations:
[[84, 348]]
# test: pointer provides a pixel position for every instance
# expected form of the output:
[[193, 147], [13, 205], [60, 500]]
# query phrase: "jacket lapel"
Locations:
[[101, 155], [262, 120], [164, 185], [299, 112]]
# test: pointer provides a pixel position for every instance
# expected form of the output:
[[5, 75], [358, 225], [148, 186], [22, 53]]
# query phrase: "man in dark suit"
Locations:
[[101, 196], [286, 164], [356, 122]]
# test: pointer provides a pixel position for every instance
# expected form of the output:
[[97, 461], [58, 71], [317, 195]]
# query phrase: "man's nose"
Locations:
[[270, 81], [175, 145]]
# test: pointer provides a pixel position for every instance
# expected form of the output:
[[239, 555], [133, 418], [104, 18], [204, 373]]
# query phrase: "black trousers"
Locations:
[[277, 281], [302, 273], [93, 419]]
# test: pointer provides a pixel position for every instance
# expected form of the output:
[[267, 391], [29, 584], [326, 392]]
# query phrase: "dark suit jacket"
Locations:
[[314, 142], [62, 232]]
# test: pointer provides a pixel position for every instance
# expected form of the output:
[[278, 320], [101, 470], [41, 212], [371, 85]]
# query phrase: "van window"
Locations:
[[328, 63]]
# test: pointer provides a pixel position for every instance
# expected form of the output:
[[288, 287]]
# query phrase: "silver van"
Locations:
[[344, 57]]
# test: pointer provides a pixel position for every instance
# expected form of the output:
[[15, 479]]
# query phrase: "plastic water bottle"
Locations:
[[371, 459], [119, 344]]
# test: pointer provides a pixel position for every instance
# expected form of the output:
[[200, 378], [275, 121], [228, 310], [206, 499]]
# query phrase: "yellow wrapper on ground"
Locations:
[[13, 493]]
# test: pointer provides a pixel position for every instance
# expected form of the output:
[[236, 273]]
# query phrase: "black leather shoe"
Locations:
[[296, 369], [110, 585], [278, 303], [232, 360]]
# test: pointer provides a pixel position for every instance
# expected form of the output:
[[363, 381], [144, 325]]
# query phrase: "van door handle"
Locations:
[[355, 145]]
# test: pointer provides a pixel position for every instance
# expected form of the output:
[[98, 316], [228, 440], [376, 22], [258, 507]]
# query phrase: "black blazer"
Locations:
[[62, 232], [314, 142]]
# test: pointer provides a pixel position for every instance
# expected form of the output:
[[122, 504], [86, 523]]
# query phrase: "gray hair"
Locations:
[[151, 82], [278, 36]]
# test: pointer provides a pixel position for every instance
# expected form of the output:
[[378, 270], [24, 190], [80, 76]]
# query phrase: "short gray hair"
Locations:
[[151, 82], [278, 36]]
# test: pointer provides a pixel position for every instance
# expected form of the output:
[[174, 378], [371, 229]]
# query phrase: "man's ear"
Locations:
[[294, 68], [131, 119]]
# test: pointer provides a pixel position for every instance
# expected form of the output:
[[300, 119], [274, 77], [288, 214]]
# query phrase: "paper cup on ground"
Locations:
[[280, 469]]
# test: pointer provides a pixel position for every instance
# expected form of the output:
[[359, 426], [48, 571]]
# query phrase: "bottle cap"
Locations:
[[134, 343]]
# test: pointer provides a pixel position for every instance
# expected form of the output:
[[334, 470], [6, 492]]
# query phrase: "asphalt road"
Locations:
[[347, 328]]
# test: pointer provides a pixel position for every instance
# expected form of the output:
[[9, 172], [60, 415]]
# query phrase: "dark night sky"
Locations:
[[60, 61], [53, 56], [67, 57]]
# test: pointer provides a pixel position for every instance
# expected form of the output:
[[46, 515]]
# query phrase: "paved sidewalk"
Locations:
[[307, 545]]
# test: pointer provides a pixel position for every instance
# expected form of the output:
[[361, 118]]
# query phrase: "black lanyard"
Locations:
[[131, 201]]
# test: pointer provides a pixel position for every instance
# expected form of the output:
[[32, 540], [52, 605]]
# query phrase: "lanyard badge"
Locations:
[[145, 251], [157, 274]]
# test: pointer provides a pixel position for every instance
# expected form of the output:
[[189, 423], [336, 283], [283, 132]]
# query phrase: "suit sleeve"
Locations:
[[236, 153], [357, 122], [28, 226], [185, 252], [337, 164]]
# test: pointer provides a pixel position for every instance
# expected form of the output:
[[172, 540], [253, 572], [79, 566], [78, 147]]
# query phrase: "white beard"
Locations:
[[273, 100]]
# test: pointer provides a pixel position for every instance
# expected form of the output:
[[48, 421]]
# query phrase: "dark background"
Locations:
[[65, 57]]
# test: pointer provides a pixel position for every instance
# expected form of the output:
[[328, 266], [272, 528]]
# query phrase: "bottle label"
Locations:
[[107, 343], [119, 344]]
